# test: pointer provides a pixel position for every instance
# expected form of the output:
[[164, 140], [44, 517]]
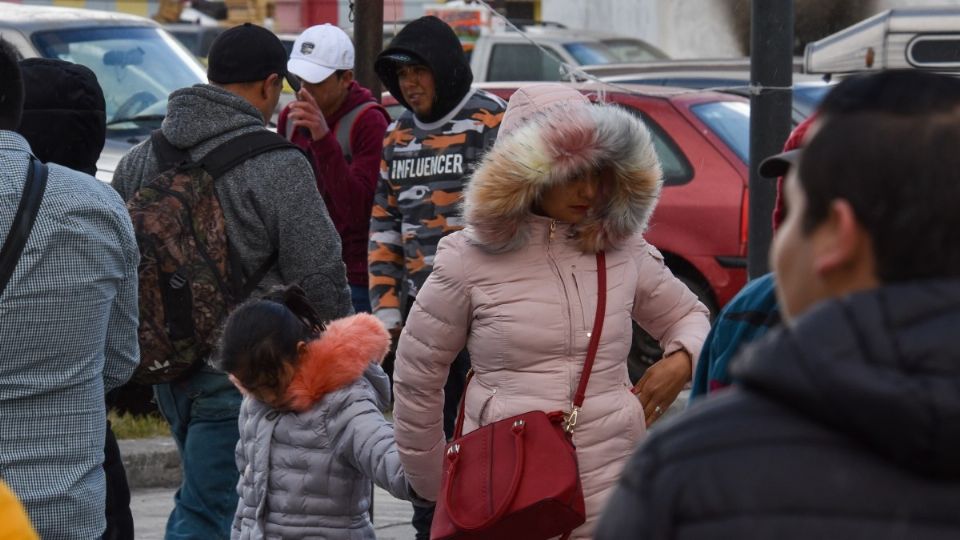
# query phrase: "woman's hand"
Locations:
[[661, 383]]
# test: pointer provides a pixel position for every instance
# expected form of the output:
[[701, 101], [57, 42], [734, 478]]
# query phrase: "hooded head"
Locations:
[[552, 134], [429, 42], [63, 113]]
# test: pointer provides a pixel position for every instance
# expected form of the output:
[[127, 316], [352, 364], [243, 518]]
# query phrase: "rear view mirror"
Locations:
[[131, 57]]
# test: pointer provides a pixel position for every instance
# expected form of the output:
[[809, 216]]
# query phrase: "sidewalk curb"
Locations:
[[151, 463]]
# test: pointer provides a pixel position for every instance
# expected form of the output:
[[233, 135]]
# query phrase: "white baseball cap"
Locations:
[[319, 51]]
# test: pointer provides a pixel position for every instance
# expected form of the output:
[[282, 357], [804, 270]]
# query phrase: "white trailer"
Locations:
[[901, 38]]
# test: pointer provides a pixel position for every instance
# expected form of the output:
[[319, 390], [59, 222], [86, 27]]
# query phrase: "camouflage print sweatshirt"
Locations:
[[424, 169]]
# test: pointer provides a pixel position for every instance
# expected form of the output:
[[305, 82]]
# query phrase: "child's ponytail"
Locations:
[[260, 338], [295, 299]]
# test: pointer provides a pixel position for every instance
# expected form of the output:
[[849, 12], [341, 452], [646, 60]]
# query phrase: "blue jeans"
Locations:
[[202, 410], [360, 296]]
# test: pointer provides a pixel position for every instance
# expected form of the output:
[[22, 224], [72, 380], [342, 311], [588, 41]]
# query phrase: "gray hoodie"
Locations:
[[270, 202]]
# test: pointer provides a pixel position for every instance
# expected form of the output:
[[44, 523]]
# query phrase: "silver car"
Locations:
[[136, 62]]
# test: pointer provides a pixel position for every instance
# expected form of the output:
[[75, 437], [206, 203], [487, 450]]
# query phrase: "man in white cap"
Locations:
[[341, 125]]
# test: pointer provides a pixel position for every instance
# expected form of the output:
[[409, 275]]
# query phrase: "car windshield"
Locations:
[[634, 50], [137, 67], [729, 120], [587, 53]]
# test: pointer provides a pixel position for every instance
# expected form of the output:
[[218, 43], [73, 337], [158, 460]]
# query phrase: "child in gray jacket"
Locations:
[[312, 431]]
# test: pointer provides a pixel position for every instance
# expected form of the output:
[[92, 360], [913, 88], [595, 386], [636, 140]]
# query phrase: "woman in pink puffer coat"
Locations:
[[518, 288]]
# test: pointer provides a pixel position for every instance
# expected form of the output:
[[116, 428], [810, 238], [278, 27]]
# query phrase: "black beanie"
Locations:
[[64, 117]]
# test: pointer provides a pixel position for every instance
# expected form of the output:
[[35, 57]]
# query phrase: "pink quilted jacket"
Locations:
[[520, 292]]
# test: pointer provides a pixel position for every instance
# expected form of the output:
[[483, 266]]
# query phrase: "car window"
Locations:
[[676, 168], [729, 120], [521, 62], [633, 50], [586, 53], [137, 67], [807, 98]]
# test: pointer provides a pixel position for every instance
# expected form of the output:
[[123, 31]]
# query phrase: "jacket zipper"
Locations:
[[563, 284]]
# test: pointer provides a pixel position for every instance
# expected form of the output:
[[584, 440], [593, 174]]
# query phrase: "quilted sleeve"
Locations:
[[435, 332]]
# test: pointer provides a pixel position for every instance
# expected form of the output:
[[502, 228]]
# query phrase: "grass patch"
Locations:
[[138, 426]]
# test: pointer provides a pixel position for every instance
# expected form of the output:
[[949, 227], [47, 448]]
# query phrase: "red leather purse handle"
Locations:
[[594, 344], [597, 329]]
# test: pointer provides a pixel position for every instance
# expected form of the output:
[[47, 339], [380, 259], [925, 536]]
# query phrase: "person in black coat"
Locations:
[[844, 422]]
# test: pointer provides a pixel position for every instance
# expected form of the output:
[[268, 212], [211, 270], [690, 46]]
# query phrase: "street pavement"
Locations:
[[150, 507]]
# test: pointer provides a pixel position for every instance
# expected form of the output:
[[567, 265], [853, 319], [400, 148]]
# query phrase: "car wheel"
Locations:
[[645, 350]]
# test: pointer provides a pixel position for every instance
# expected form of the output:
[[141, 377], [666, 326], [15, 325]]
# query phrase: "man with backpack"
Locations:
[[276, 230], [340, 125]]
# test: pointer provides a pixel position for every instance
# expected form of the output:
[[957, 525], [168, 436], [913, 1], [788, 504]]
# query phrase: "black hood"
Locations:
[[431, 42], [63, 113], [882, 366]]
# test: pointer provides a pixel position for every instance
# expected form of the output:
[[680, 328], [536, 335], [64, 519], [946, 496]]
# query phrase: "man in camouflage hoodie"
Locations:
[[429, 153]]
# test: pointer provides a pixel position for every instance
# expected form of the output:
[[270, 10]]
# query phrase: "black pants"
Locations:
[[119, 518], [452, 391]]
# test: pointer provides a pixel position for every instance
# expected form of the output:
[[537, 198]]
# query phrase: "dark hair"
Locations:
[[260, 337], [888, 146], [11, 87]]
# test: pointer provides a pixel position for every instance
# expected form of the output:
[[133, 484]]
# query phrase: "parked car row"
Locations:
[[701, 137], [730, 74]]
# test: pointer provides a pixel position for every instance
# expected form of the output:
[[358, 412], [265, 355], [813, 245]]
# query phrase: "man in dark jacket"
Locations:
[[429, 153], [844, 422], [341, 126], [270, 206]]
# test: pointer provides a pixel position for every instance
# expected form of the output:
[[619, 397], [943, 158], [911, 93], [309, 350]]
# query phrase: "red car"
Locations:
[[700, 224]]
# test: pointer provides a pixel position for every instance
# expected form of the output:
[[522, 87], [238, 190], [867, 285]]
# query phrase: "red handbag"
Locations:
[[517, 477]]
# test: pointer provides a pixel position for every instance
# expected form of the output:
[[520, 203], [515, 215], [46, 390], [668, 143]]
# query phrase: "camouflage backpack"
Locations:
[[188, 281]]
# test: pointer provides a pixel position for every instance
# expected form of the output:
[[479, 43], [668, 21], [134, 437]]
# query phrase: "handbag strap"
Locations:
[[570, 420], [27, 210]]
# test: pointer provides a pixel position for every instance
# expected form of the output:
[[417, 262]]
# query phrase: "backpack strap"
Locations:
[[227, 156], [239, 149], [168, 155], [345, 125], [245, 290], [23, 221]]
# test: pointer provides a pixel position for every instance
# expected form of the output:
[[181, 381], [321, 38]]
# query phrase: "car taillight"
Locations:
[[744, 222]]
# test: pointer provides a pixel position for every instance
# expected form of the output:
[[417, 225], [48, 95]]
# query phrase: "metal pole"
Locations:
[[771, 65], [368, 34]]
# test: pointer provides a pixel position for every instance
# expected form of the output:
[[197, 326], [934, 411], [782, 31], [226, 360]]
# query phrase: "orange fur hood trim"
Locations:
[[337, 358]]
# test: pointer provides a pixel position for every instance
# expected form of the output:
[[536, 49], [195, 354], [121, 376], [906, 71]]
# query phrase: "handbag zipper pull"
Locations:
[[570, 421]]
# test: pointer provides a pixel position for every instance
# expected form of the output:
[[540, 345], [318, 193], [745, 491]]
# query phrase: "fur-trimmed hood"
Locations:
[[337, 358], [556, 139]]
